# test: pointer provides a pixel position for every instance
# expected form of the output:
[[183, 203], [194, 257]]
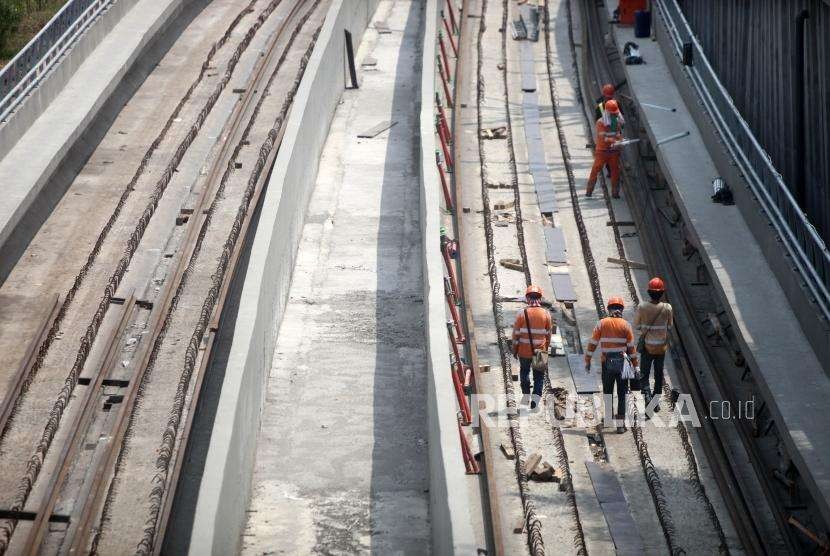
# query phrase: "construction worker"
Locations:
[[609, 132], [607, 94], [615, 339], [531, 331], [653, 321]]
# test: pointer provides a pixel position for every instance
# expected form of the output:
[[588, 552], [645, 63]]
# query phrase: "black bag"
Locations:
[[614, 363]]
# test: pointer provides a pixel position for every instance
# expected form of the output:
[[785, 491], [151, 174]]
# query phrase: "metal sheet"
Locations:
[[605, 482], [585, 383], [555, 245], [615, 509], [563, 289], [537, 163], [622, 527], [528, 71], [530, 17]]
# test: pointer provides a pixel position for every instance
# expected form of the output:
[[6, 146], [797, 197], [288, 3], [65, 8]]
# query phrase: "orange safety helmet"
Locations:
[[608, 90], [533, 291], [656, 285], [612, 106], [616, 301]]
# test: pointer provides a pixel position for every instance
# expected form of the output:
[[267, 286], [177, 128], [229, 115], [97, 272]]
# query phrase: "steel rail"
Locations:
[[466, 43], [21, 376], [535, 542], [90, 501], [714, 445], [36, 461], [94, 502], [593, 33], [222, 278], [78, 431], [215, 321], [68, 298]]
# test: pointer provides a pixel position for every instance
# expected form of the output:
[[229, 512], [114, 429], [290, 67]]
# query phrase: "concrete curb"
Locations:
[[53, 151], [226, 482], [452, 530], [39, 99]]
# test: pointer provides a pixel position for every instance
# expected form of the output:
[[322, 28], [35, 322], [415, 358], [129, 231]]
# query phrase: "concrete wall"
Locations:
[[814, 327], [452, 530], [49, 87], [226, 482]]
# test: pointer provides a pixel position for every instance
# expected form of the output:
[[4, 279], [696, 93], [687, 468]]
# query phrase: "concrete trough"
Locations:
[[226, 482]]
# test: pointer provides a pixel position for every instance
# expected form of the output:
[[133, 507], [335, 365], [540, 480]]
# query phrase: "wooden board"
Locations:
[[376, 129]]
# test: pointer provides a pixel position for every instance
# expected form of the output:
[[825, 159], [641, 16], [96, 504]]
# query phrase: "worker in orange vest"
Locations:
[[532, 329], [607, 94], [609, 133], [653, 321], [615, 339]]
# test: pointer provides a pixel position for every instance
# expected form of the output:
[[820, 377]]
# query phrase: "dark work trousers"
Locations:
[[646, 359], [524, 375], [608, 382]]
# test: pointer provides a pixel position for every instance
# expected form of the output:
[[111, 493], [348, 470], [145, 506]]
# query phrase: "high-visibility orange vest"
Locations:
[[541, 326], [612, 335], [606, 136]]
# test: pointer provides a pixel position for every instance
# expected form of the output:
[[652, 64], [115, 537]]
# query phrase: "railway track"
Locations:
[[121, 453], [755, 505], [663, 499]]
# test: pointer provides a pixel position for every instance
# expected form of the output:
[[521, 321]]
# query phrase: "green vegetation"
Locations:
[[20, 20]]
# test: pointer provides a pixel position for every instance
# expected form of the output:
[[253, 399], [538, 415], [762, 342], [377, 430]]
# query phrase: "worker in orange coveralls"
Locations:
[[609, 132]]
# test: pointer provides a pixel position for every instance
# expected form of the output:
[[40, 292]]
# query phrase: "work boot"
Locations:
[[621, 429], [589, 190], [615, 194], [657, 405]]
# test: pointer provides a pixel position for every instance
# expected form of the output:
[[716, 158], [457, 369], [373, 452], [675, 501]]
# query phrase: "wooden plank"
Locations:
[[532, 462], [376, 129], [629, 264]]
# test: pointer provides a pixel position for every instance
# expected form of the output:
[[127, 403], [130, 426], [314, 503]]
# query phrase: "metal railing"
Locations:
[[45, 50], [798, 235]]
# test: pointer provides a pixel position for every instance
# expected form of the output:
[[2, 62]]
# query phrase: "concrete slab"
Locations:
[[342, 461], [735, 260]]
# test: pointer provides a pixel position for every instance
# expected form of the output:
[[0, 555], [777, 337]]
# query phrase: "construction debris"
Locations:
[[504, 205], [493, 133], [376, 129], [512, 264], [507, 451], [532, 462], [629, 264]]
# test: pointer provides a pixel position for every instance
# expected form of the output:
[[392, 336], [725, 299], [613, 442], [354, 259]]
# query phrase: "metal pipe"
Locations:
[[799, 100]]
